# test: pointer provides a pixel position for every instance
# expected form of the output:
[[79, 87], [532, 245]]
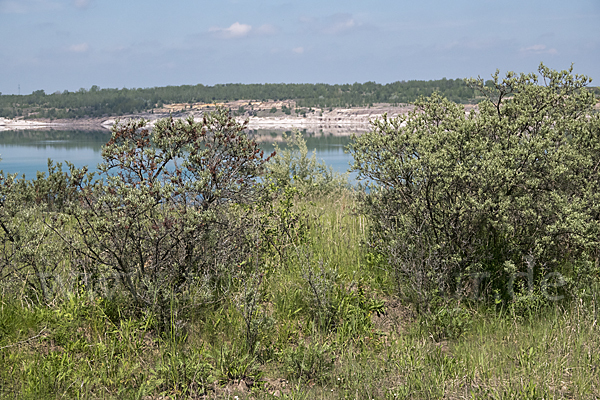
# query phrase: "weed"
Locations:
[[447, 320], [233, 362], [308, 362]]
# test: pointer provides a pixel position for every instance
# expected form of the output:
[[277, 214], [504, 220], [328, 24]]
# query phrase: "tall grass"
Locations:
[[324, 323]]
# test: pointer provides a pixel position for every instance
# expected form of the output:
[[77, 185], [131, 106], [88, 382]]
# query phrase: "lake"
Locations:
[[27, 151]]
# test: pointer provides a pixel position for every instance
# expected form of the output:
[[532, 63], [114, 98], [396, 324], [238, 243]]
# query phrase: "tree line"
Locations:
[[97, 102]]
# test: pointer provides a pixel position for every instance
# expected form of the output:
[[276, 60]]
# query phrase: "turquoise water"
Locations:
[[27, 151]]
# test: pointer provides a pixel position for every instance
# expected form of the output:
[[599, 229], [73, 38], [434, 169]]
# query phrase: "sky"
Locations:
[[58, 45]]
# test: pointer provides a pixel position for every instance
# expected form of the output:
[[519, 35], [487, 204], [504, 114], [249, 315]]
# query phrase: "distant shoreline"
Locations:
[[356, 118]]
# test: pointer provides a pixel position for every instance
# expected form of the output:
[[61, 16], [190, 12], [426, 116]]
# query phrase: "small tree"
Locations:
[[486, 194], [168, 212], [32, 254], [292, 166]]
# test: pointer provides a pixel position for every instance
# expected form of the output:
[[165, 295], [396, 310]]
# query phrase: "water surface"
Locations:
[[27, 151]]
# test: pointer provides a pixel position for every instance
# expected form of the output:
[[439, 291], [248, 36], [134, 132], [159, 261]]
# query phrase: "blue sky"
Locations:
[[59, 45]]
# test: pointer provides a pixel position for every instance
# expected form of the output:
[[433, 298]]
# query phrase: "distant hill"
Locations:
[[97, 102]]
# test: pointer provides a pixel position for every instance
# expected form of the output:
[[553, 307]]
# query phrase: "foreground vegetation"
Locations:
[[194, 266], [86, 346]]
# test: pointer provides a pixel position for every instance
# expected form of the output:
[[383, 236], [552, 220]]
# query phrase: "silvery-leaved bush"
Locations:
[[168, 217], [515, 181]]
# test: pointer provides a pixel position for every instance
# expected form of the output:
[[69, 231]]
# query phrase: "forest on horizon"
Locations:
[[98, 102]]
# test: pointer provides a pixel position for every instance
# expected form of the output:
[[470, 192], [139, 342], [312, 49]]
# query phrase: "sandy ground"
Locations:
[[337, 119], [66, 124], [334, 121]]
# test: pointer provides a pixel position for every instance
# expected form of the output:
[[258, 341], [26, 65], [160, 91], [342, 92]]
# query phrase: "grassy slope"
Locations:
[[317, 334]]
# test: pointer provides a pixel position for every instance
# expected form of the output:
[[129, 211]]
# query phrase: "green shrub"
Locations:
[[32, 251], [169, 218], [464, 199], [447, 320], [292, 166]]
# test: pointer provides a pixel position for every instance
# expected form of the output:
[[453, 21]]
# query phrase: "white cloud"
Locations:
[[79, 48], [236, 30], [538, 49], [298, 50]]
